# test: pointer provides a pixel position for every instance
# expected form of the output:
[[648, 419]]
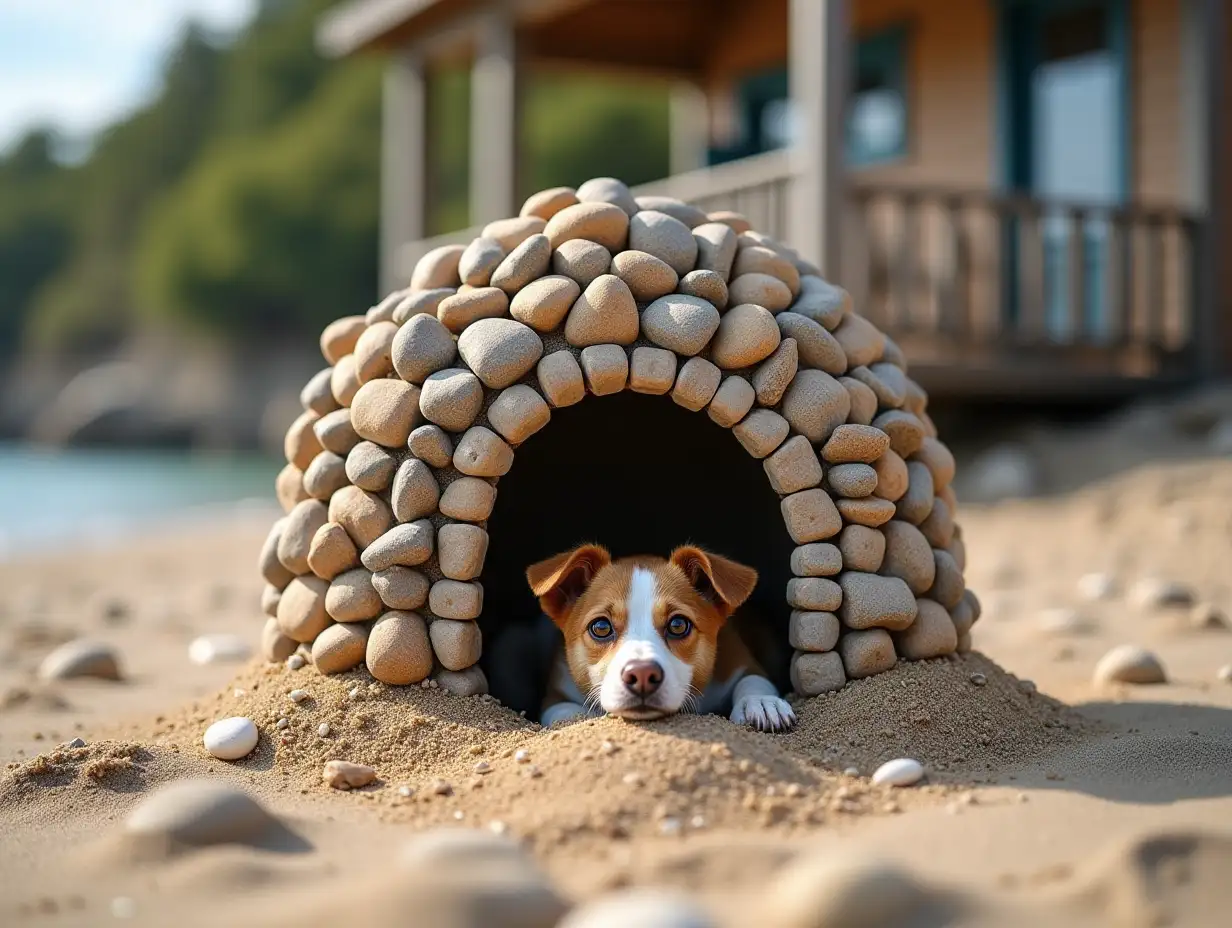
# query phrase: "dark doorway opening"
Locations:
[[639, 475]]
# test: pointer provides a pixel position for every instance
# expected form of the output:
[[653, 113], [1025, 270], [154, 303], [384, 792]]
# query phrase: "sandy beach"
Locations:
[[1049, 798]]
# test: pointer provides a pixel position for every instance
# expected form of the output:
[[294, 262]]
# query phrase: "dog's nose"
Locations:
[[642, 677]]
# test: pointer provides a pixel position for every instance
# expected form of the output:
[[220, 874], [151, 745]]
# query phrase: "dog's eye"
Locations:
[[678, 627], [600, 629]]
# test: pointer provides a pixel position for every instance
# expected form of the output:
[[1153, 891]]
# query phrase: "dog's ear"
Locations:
[[723, 582], [560, 580]]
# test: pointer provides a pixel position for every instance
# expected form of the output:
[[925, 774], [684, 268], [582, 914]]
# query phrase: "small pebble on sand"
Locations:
[[231, 739], [1128, 663], [296, 661], [80, 658], [298, 695], [123, 907], [483, 767], [498, 827], [75, 743], [1156, 593], [902, 771], [522, 757], [978, 679], [323, 729], [1224, 673], [1097, 586], [670, 827], [282, 723], [633, 778], [851, 771], [405, 792], [440, 788], [533, 772], [342, 774], [218, 649]]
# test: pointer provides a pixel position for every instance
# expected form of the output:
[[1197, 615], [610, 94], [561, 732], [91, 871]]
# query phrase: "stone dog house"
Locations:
[[395, 463]]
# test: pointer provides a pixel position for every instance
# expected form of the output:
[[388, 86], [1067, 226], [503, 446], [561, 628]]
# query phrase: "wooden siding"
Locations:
[[1157, 156]]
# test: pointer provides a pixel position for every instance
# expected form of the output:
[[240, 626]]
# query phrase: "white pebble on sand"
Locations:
[[1225, 673], [851, 772], [1128, 663], [522, 757], [295, 662], [123, 907], [298, 695], [323, 729], [902, 771], [231, 739], [645, 908], [405, 792], [217, 649], [1098, 586], [282, 723], [1156, 593]]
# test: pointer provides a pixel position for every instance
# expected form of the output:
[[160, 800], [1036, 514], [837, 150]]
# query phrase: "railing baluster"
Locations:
[[1076, 329], [1030, 324], [1117, 291], [1154, 286], [904, 269]]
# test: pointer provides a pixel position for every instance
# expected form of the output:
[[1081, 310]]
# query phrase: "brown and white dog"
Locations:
[[646, 637]]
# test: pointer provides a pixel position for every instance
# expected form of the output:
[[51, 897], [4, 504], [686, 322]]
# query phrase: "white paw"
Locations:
[[765, 713]]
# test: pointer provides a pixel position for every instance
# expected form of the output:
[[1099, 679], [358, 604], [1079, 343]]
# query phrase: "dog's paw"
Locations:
[[765, 713]]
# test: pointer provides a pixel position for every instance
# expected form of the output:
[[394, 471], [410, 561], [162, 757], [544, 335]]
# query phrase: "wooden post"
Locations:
[[818, 82], [403, 163], [1212, 330], [494, 117]]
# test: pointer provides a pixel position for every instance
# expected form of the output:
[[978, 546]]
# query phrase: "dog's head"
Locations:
[[640, 633]]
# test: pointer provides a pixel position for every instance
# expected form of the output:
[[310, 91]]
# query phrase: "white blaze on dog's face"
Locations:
[[641, 634]]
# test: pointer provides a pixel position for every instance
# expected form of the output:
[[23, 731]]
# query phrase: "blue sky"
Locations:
[[79, 64]]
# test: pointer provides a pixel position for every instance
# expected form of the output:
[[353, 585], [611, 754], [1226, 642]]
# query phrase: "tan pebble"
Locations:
[[932, 634], [275, 646], [511, 233], [457, 645], [815, 405], [339, 648], [602, 223], [479, 260], [815, 594], [652, 370], [409, 545], [323, 729], [817, 348], [547, 203], [664, 237], [270, 595], [810, 515], [384, 310], [687, 213], [915, 505], [289, 487], [344, 381], [1130, 664], [422, 346], [865, 653], [822, 302], [794, 466], [775, 373], [696, 384], [400, 587], [813, 674], [938, 459], [757, 259], [871, 511], [398, 651], [608, 190], [761, 431], [298, 696], [518, 413], [272, 569], [862, 548], [816, 560], [560, 379], [451, 399], [813, 631], [468, 682], [853, 481], [735, 221], [581, 261], [342, 774], [1224, 673], [364, 515], [908, 556], [331, 551], [301, 610], [295, 539], [870, 601], [855, 444], [716, 248], [683, 324], [863, 401], [324, 475], [301, 444], [438, 268], [761, 290], [316, 396], [887, 397], [948, 587], [605, 313], [731, 402], [647, 277], [420, 303], [460, 311], [81, 658], [370, 467], [352, 598], [746, 335], [373, 352], [705, 285], [905, 430], [862, 342], [461, 549], [385, 411], [431, 445], [500, 351], [339, 337], [892, 475], [469, 499], [543, 304], [606, 368], [454, 599], [528, 261], [336, 433]]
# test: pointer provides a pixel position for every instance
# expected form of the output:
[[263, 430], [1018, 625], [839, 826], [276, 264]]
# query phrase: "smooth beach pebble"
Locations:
[[216, 649], [1128, 663], [902, 771], [80, 658], [231, 739], [342, 774], [199, 812], [642, 907]]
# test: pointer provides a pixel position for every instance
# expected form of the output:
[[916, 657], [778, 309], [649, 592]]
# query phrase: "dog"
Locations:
[[646, 637]]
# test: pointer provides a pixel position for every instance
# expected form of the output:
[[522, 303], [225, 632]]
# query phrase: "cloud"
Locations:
[[79, 66]]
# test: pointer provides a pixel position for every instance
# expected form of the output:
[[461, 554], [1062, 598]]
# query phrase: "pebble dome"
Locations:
[[394, 465]]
